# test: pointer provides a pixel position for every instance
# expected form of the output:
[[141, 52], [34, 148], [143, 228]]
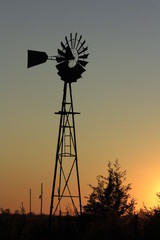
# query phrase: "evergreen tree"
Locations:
[[111, 194]]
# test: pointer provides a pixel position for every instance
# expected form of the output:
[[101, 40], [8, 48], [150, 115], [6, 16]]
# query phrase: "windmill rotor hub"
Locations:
[[72, 63]]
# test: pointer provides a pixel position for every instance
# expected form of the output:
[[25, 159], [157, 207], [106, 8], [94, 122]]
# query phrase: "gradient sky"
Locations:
[[118, 96]]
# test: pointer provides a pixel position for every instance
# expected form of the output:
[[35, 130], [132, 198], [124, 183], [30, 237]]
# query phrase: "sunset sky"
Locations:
[[118, 95]]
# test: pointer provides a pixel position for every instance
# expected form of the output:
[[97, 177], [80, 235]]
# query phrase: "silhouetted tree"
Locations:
[[158, 198], [156, 209], [111, 194]]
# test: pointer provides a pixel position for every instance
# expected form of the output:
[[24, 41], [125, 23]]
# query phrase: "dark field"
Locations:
[[28, 227]]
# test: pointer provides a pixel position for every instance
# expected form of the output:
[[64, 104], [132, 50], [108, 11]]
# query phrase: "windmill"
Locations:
[[71, 62]]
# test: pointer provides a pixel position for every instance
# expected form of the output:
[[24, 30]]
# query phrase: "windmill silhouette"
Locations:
[[71, 62]]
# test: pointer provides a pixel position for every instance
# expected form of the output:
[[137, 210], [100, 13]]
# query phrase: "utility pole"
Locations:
[[30, 201], [41, 197]]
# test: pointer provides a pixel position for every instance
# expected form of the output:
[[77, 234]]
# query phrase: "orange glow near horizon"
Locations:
[[144, 190]]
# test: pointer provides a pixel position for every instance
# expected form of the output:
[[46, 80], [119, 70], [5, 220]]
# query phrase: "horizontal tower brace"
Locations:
[[73, 196], [65, 113]]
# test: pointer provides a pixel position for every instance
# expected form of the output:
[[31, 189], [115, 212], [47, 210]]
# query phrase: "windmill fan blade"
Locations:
[[75, 40], [71, 40], [80, 69], [67, 41], [75, 73], [63, 46], [69, 54], [83, 50], [81, 45], [61, 66], [61, 53], [83, 63], [63, 70], [83, 56], [66, 73], [78, 41], [36, 58]]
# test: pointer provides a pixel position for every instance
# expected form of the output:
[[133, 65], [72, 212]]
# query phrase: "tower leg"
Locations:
[[75, 147]]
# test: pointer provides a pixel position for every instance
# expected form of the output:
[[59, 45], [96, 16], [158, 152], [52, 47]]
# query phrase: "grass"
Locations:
[[28, 227]]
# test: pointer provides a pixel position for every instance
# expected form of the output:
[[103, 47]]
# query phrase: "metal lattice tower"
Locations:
[[66, 151]]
